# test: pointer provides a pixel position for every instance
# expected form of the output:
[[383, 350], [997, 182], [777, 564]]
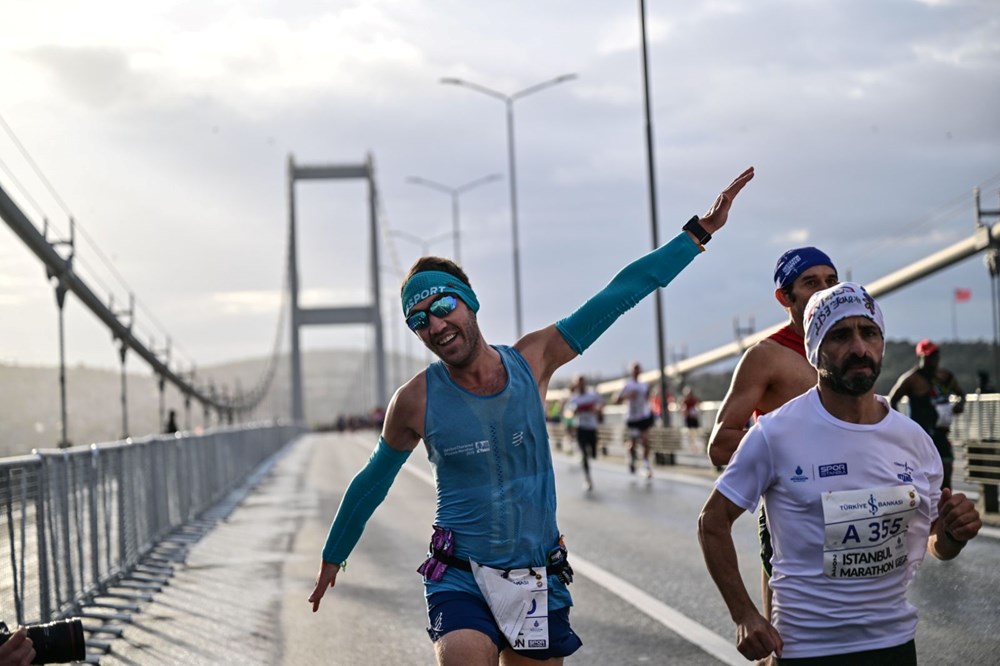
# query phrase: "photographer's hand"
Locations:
[[327, 577], [17, 650]]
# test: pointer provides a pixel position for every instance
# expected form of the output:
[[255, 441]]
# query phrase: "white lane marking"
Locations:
[[672, 619], [686, 628]]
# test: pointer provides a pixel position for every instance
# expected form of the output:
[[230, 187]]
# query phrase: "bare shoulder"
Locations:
[[404, 419], [948, 378], [761, 361], [781, 373], [747, 386]]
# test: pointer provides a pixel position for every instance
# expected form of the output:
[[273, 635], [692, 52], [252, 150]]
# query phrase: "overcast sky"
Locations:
[[165, 129]]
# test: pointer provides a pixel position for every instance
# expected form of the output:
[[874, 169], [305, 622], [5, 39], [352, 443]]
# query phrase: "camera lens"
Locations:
[[58, 642]]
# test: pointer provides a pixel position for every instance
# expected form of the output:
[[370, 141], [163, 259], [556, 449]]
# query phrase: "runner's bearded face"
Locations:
[[851, 356]]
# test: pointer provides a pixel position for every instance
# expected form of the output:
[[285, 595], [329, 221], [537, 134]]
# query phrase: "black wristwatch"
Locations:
[[694, 226]]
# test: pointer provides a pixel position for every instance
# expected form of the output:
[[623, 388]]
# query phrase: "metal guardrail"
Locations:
[[980, 420], [74, 521], [976, 436]]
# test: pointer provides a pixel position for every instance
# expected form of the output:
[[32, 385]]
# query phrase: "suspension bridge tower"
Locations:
[[327, 316]]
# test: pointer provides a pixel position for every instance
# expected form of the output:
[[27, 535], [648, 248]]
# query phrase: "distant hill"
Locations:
[[336, 381]]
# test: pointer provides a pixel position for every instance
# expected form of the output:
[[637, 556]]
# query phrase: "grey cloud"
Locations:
[[94, 76]]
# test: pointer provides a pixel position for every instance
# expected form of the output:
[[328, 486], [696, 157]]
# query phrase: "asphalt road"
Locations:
[[642, 594]]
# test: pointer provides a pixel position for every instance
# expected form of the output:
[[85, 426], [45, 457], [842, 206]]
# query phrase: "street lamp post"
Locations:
[[508, 100], [454, 192], [661, 334]]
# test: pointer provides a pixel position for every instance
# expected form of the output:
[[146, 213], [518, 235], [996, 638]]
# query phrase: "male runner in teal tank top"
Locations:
[[479, 412]]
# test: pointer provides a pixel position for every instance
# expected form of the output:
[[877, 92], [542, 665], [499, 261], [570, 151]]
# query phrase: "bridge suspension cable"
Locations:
[[71, 279]]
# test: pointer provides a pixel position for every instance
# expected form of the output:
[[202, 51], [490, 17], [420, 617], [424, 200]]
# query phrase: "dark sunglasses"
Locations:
[[440, 308]]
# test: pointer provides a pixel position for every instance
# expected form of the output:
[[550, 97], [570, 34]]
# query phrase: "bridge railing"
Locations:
[[74, 521], [980, 420]]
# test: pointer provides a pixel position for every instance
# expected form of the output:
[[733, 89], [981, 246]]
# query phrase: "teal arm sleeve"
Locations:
[[632, 284], [365, 492]]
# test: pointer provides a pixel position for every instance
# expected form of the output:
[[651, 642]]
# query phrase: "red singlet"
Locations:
[[786, 337]]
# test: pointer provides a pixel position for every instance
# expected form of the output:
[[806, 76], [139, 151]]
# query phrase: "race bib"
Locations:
[[519, 601], [865, 530], [945, 414]]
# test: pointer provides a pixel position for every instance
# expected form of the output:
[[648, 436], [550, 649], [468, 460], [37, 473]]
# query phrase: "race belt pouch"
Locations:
[[519, 602], [441, 548]]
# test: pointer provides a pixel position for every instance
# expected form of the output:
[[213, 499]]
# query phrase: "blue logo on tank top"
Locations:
[[799, 477], [905, 475]]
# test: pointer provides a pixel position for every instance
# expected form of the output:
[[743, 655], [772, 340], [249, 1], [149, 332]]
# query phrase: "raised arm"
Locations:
[[551, 347]]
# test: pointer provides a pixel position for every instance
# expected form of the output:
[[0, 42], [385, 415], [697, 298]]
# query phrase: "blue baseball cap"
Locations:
[[795, 262]]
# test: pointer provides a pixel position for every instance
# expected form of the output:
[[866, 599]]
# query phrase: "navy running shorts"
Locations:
[[448, 611], [641, 424]]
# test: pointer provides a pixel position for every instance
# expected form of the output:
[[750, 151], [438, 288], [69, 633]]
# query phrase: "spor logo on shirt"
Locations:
[[834, 469]]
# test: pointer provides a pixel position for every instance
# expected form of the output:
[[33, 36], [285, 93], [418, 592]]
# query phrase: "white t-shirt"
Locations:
[[849, 508], [586, 419], [638, 405]]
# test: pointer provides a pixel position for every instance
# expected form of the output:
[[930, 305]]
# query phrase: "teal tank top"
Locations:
[[493, 473]]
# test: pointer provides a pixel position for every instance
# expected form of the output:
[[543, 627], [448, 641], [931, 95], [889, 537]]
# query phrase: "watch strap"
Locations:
[[694, 226]]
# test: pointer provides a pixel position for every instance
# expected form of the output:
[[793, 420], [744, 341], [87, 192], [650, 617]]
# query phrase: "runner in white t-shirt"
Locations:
[[853, 501], [588, 407], [640, 418]]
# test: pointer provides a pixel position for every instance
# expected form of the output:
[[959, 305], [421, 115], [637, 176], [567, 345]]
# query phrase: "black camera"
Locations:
[[56, 642]]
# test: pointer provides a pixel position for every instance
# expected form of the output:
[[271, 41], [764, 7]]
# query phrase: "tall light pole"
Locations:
[[651, 167], [454, 192], [508, 100]]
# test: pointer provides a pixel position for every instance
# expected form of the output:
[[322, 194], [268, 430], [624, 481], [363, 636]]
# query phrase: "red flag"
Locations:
[[962, 295]]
